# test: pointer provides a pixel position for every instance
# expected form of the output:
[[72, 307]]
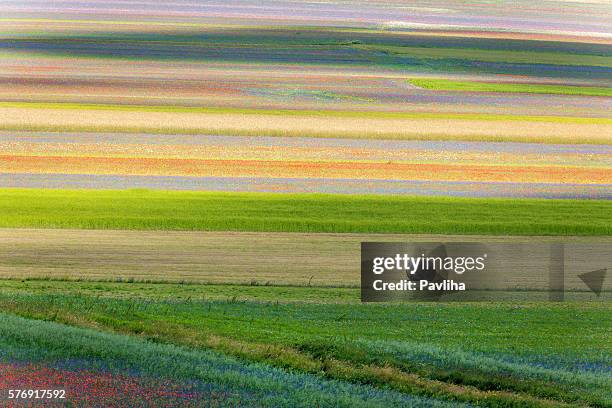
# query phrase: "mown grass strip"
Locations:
[[475, 86], [207, 211]]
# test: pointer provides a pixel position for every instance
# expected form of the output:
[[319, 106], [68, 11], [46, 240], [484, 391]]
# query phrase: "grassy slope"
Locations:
[[493, 354], [157, 210], [475, 86]]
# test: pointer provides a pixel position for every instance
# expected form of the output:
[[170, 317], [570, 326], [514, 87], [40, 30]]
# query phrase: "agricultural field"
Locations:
[[184, 188], [473, 86], [289, 259], [264, 212], [307, 165], [195, 377], [348, 354]]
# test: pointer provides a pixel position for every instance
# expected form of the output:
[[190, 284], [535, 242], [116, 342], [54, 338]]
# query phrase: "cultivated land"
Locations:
[[500, 354], [303, 169], [301, 164], [130, 297], [428, 127], [173, 210], [473, 86], [248, 258], [165, 374]]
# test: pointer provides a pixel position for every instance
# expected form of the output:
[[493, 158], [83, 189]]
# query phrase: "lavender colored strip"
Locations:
[[294, 185]]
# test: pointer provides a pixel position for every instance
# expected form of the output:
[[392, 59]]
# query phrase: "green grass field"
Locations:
[[491, 354], [474, 86], [166, 210]]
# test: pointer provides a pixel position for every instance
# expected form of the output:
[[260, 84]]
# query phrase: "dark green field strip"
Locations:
[[491, 354], [321, 46], [172, 210], [278, 38]]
